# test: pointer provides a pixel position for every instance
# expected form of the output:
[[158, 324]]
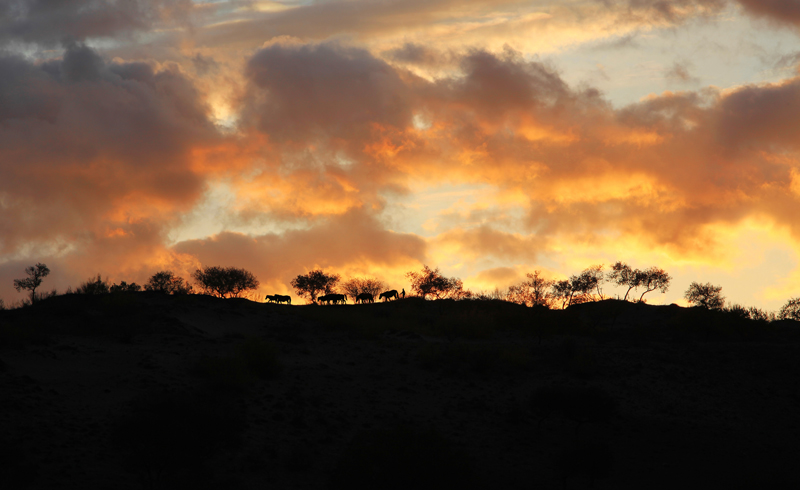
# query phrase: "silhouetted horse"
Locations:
[[365, 298], [332, 298], [282, 299], [387, 295]]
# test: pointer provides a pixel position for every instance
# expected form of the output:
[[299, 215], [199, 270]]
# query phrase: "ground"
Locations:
[[141, 390]]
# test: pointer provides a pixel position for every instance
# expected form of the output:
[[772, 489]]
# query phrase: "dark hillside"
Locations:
[[143, 390]]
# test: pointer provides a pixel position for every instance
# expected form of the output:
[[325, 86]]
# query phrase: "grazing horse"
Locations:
[[365, 297], [282, 299], [333, 297], [387, 295], [270, 298]]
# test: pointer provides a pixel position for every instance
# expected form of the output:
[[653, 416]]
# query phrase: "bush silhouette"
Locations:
[[167, 282], [314, 283], [403, 458], [706, 295], [225, 281], [791, 310], [93, 286], [124, 287], [354, 287], [431, 282]]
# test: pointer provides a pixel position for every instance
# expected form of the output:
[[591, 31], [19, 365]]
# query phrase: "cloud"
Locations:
[[498, 276], [627, 41], [484, 242], [421, 55], [89, 144], [50, 22], [783, 11], [400, 27], [355, 243], [679, 72], [102, 158], [300, 88], [665, 170]]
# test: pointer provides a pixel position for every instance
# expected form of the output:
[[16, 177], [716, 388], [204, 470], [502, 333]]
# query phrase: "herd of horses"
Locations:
[[335, 298]]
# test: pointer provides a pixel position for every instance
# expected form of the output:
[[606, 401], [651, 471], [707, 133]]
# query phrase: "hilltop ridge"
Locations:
[[241, 394]]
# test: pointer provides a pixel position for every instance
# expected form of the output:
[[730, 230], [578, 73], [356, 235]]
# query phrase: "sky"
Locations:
[[369, 138]]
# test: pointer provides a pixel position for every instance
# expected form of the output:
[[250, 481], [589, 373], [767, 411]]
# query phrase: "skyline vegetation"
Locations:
[[535, 291]]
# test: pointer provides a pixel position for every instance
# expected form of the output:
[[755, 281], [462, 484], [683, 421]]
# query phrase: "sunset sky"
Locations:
[[367, 138]]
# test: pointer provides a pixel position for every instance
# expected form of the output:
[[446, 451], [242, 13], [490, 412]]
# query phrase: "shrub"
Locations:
[[533, 292], [93, 286], [310, 285], [705, 295], [431, 282], [225, 281], [167, 282], [354, 287], [124, 287], [496, 294], [791, 310]]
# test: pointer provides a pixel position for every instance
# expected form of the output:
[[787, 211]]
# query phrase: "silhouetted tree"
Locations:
[[586, 283], [167, 282], [93, 286], [533, 292], [354, 287], [594, 275], [791, 310], [652, 279], [622, 274], [705, 295], [225, 281], [310, 285], [124, 287], [36, 273], [562, 291], [432, 282]]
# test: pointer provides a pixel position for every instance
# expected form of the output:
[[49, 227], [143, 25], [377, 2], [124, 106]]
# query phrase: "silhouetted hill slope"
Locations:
[[143, 390]]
